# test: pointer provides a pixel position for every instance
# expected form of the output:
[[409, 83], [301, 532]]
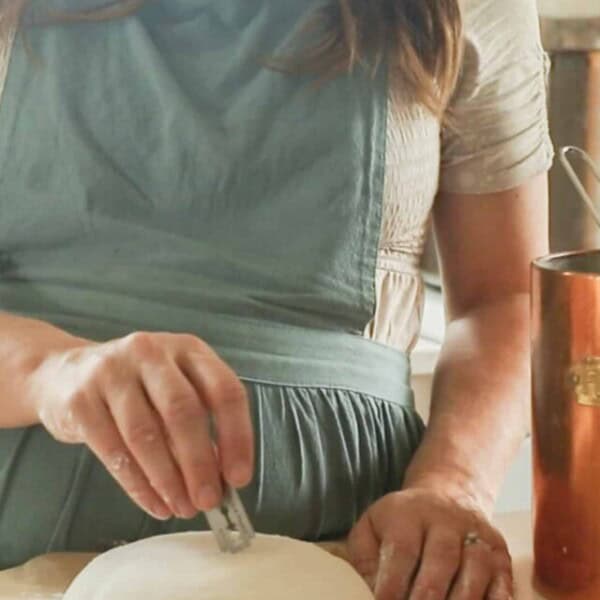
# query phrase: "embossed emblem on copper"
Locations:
[[584, 380]]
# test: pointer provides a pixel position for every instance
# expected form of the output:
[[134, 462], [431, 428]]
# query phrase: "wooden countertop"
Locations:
[[47, 577], [517, 529]]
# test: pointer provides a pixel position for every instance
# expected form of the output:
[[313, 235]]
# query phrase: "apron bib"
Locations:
[[156, 175]]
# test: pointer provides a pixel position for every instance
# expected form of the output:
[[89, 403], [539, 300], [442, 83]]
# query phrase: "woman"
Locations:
[[216, 210]]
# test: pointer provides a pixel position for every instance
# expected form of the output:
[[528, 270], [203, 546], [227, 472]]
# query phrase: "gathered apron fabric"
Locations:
[[156, 174]]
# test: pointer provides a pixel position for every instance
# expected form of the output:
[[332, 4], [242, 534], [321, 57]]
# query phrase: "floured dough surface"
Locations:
[[189, 566]]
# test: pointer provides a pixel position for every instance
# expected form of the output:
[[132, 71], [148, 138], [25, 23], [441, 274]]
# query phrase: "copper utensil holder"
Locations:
[[566, 416]]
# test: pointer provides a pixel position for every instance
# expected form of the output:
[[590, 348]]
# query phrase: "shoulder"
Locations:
[[501, 41], [514, 14], [485, 21], [499, 135]]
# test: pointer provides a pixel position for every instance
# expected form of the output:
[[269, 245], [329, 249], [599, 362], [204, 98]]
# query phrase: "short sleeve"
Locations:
[[498, 137]]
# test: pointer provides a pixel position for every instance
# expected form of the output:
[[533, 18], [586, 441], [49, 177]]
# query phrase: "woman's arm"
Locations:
[[480, 405], [24, 343], [434, 538], [141, 403]]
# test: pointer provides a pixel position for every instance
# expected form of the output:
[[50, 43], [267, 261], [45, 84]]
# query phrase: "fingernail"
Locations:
[[239, 476], [184, 509], [207, 498], [160, 512]]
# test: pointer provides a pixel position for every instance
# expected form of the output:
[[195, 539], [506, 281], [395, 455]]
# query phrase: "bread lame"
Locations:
[[230, 523]]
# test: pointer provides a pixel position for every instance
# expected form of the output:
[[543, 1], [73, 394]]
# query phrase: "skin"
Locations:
[[411, 544], [141, 403]]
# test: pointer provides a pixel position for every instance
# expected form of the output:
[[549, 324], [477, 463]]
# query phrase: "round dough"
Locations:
[[189, 566]]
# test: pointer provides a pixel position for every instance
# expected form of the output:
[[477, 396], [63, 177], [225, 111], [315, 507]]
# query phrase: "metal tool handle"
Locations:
[[577, 183]]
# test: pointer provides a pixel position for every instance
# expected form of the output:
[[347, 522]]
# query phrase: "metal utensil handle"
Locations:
[[564, 158]]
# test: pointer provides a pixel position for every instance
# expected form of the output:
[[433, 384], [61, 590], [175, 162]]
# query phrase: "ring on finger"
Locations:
[[471, 538]]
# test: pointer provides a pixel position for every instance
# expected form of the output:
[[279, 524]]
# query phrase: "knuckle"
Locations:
[[77, 405], [410, 552], [119, 464], [202, 468], [181, 409], [227, 390], [472, 591], [141, 343], [167, 484], [430, 589], [104, 368], [192, 341], [141, 434]]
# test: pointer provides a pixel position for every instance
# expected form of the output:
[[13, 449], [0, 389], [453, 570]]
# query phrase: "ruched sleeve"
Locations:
[[497, 137]]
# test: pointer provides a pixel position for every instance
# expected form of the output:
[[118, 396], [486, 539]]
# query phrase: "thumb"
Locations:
[[363, 547]]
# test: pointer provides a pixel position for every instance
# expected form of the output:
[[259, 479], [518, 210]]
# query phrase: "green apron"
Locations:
[[156, 175]]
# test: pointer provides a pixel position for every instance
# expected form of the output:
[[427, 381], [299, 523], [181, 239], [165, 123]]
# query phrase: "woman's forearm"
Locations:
[[480, 403], [24, 343]]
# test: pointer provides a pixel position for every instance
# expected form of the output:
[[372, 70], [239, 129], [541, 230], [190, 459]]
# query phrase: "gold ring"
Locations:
[[471, 538]]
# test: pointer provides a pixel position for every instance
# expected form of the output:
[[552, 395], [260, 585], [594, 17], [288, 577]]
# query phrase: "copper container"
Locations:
[[566, 424]]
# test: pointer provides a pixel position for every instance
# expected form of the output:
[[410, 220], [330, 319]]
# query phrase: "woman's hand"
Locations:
[[143, 405], [420, 545]]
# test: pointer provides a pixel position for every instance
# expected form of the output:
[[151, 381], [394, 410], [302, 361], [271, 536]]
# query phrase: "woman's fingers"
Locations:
[[475, 573], [501, 588], [502, 585], [419, 545], [389, 565], [141, 429], [225, 397], [103, 438], [151, 397], [398, 562], [185, 419], [363, 547], [440, 562]]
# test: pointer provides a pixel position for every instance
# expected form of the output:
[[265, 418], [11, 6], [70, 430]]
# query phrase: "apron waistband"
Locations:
[[280, 354], [268, 352]]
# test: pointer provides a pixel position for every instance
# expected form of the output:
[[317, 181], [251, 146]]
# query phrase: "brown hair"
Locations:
[[423, 36]]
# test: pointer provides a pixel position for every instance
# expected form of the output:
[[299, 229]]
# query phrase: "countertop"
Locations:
[[45, 579], [517, 529]]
